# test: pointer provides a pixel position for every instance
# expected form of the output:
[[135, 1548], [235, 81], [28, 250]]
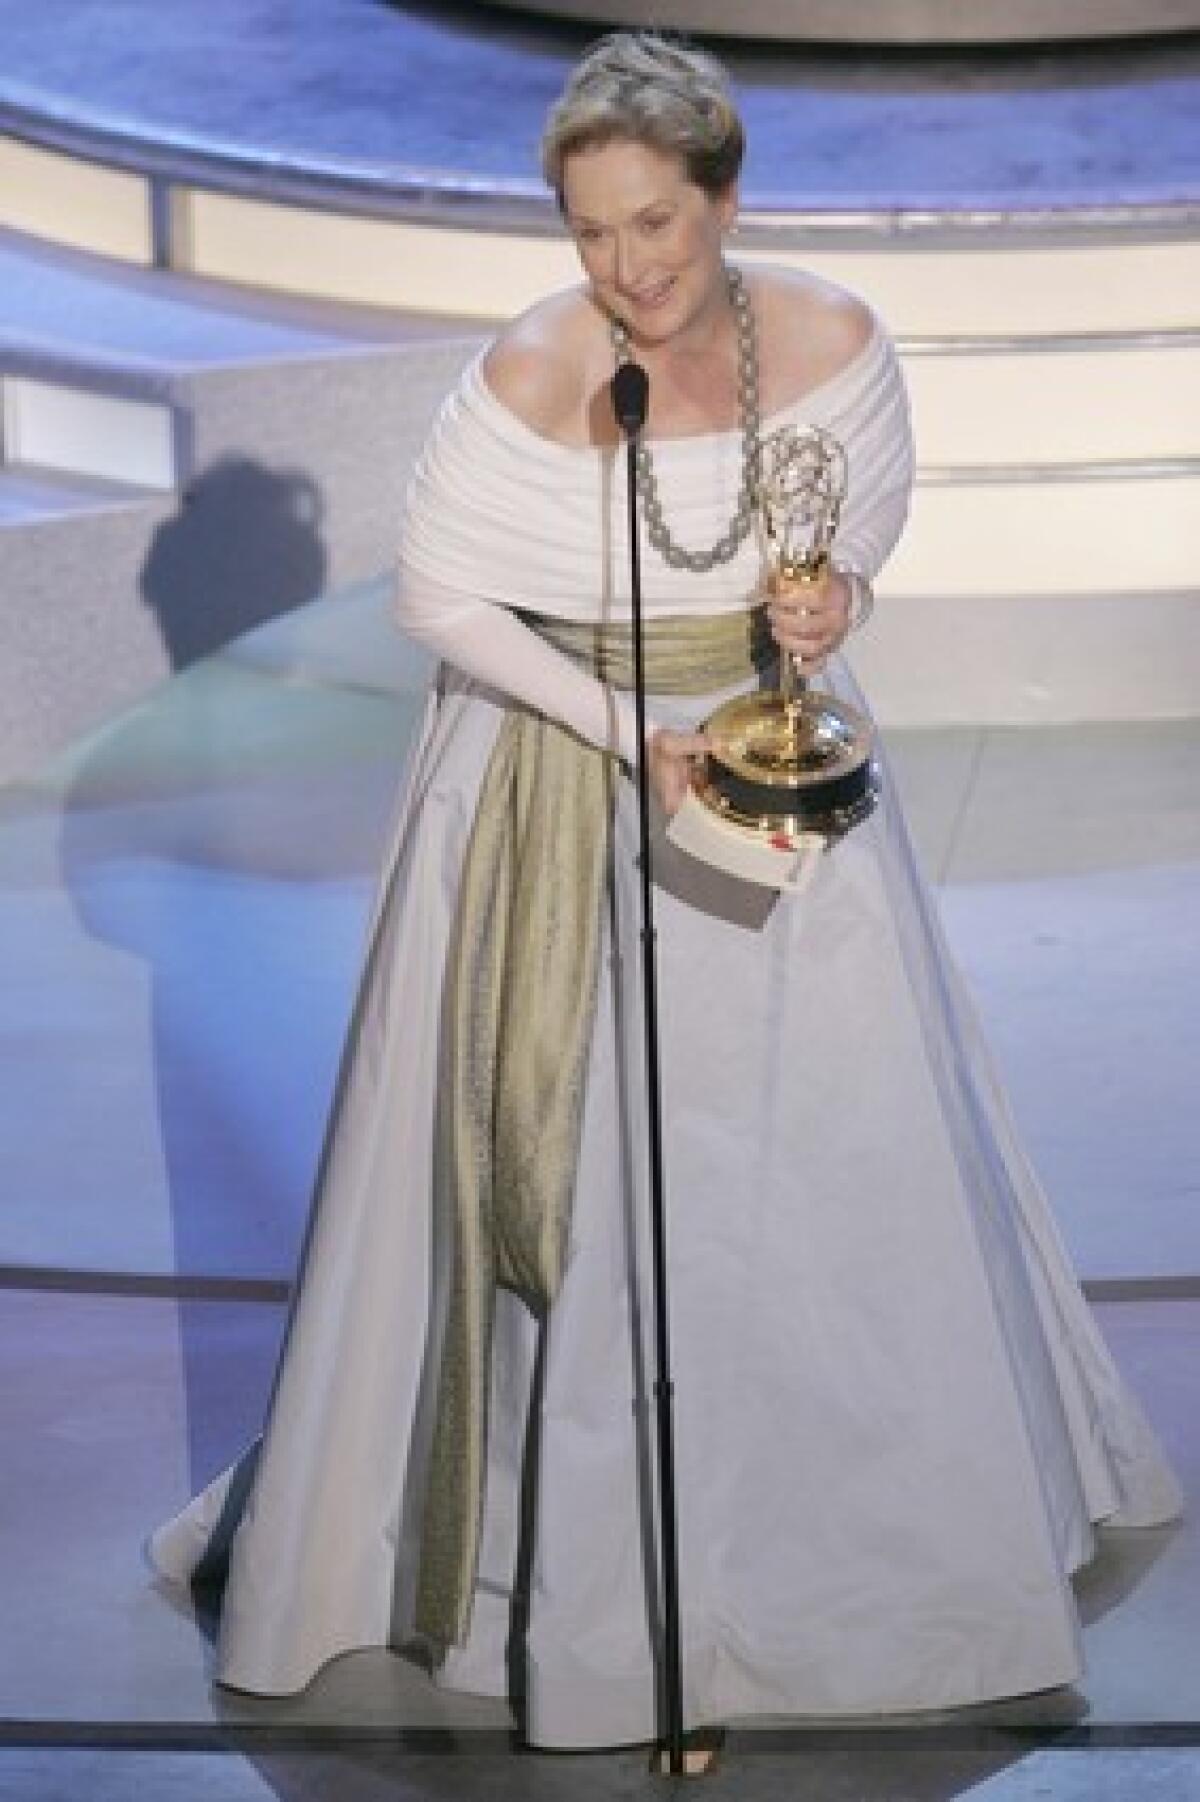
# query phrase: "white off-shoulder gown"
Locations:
[[895, 1418]]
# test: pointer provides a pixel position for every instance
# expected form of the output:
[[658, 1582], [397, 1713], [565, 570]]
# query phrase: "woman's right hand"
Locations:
[[673, 759]]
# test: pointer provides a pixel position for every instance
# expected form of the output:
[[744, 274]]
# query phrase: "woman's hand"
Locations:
[[809, 619], [673, 759]]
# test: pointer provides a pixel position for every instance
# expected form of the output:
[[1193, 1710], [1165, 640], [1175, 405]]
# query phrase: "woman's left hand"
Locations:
[[809, 619], [673, 760]]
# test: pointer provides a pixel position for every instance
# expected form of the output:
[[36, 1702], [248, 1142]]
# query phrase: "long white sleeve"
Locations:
[[491, 644]]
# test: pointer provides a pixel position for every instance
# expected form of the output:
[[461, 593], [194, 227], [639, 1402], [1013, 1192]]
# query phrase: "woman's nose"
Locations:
[[628, 262]]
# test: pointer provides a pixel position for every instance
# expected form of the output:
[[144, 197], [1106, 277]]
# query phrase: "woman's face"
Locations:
[[649, 239]]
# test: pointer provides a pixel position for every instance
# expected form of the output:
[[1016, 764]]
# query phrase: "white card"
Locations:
[[701, 834]]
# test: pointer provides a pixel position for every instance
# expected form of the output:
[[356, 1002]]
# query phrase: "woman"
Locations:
[[896, 1422]]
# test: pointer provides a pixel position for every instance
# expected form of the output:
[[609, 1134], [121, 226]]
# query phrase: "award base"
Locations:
[[784, 765], [786, 861]]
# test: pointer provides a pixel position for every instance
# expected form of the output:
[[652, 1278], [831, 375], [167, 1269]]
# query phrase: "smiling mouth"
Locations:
[[655, 296]]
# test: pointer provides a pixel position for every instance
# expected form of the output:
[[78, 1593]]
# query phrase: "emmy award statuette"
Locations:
[[792, 760]]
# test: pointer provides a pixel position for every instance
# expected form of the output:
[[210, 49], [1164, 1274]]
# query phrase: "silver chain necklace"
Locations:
[[739, 525]]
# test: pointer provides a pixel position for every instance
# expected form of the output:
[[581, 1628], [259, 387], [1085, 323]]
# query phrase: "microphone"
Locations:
[[630, 391]]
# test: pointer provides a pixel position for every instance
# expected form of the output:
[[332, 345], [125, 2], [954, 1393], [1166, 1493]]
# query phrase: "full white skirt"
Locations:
[[895, 1420]]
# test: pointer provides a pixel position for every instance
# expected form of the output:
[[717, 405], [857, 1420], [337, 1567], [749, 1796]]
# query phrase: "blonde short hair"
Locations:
[[645, 89]]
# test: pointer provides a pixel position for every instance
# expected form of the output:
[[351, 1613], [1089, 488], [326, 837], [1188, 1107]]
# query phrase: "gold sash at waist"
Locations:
[[690, 655], [520, 999]]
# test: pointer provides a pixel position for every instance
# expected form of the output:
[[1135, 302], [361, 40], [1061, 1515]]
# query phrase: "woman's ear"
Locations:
[[728, 202]]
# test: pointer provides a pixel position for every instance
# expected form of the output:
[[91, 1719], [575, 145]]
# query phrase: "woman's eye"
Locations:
[[656, 222]]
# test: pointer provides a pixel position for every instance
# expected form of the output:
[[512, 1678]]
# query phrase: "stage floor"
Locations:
[[459, 92], [182, 898]]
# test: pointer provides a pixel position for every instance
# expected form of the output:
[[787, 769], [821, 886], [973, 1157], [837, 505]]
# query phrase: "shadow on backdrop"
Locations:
[[244, 548], [176, 847]]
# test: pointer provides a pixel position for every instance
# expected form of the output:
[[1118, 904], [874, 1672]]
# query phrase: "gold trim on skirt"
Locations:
[[520, 994]]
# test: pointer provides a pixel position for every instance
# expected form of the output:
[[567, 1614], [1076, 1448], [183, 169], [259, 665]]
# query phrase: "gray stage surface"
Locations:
[[182, 897]]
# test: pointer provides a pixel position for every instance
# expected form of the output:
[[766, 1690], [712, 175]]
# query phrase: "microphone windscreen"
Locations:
[[630, 388]]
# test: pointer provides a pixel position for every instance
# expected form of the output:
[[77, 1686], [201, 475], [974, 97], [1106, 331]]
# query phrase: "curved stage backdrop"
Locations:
[[890, 21]]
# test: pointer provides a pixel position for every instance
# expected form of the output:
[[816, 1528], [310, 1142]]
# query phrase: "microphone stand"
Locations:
[[630, 389]]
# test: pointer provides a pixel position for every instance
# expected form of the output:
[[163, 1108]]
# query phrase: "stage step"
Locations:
[[76, 639], [29, 495], [180, 463], [63, 425]]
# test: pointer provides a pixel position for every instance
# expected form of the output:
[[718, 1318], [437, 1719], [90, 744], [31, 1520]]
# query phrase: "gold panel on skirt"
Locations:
[[520, 998]]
